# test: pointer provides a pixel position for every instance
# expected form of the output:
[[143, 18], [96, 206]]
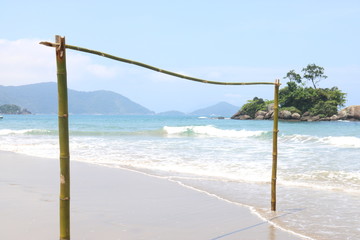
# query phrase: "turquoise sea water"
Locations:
[[318, 163]]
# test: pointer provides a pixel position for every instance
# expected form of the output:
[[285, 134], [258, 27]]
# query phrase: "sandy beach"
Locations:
[[110, 203]]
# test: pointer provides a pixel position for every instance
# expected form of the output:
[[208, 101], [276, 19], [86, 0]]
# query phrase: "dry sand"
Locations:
[[109, 203]]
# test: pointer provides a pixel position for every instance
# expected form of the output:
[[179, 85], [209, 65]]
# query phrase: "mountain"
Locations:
[[42, 98], [220, 109], [171, 113]]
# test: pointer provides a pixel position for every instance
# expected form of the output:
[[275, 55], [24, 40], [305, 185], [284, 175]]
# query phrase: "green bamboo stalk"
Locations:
[[275, 148], [63, 139], [81, 49]]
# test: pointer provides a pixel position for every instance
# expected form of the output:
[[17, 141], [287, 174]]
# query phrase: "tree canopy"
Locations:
[[320, 101], [314, 74], [300, 98], [252, 106], [293, 76], [317, 101], [311, 72]]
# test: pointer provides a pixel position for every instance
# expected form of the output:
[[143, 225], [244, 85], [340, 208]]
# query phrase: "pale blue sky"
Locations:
[[230, 40]]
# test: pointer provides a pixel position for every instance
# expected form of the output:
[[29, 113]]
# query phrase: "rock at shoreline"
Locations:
[[285, 114], [269, 115], [350, 113], [296, 116], [334, 118], [260, 115], [244, 117]]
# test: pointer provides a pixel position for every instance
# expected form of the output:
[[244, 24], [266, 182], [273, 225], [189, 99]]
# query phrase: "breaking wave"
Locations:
[[338, 141], [210, 131]]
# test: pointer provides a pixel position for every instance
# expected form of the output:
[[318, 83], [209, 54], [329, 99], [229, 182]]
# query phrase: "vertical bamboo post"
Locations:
[[63, 139], [275, 147]]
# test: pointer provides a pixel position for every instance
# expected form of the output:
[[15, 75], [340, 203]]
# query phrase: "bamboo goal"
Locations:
[[60, 47]]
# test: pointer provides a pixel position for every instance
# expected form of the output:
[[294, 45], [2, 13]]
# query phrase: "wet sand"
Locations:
[[109, 203]]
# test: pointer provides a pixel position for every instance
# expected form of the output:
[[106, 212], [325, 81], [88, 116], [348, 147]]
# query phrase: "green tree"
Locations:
[[321, 101], [314, 74], [252, 106], [324, 109], [293, 76]]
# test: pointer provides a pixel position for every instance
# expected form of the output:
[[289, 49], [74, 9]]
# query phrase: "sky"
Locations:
[[229, 40]]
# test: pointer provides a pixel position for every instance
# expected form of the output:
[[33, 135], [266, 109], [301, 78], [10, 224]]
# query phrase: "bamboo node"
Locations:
[[62, 179], [64, 198]]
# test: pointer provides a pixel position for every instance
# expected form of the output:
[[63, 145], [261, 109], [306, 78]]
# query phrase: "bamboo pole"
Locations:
[[63, 139], [275, 148], [81, 49]]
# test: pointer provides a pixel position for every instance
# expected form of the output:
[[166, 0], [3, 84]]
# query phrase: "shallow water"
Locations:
[[318, 163]]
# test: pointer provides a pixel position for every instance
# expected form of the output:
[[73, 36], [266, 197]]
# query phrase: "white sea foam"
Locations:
[[4, 132], [346, 142], [338, 141], [211, 131], [342, 184]]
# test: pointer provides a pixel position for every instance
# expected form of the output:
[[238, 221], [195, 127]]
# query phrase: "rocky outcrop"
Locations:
[[351, 113], [269, 115], [285, 114], [296, 116], [260, 115], [244, 117]]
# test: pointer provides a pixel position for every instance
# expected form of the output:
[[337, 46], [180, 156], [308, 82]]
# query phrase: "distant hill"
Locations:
[[221, 109], [171, 113], [42, 98]]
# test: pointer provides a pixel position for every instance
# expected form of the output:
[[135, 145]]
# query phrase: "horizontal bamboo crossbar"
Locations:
[[152, 67]]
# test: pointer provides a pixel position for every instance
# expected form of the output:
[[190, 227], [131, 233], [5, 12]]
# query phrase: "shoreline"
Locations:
[[116, 203]]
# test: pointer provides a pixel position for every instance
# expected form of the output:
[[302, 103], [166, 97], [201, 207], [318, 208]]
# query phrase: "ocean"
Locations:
[[318, 182]]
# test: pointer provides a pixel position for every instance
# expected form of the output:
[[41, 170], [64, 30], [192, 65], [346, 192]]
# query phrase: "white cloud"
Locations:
[[25, 61], [102, 71]]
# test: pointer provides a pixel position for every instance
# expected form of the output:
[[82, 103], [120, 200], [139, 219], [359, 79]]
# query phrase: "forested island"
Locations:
[[302, 100], [13, 109]]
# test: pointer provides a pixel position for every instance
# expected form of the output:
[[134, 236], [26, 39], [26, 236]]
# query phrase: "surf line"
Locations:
[[292, 211]]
